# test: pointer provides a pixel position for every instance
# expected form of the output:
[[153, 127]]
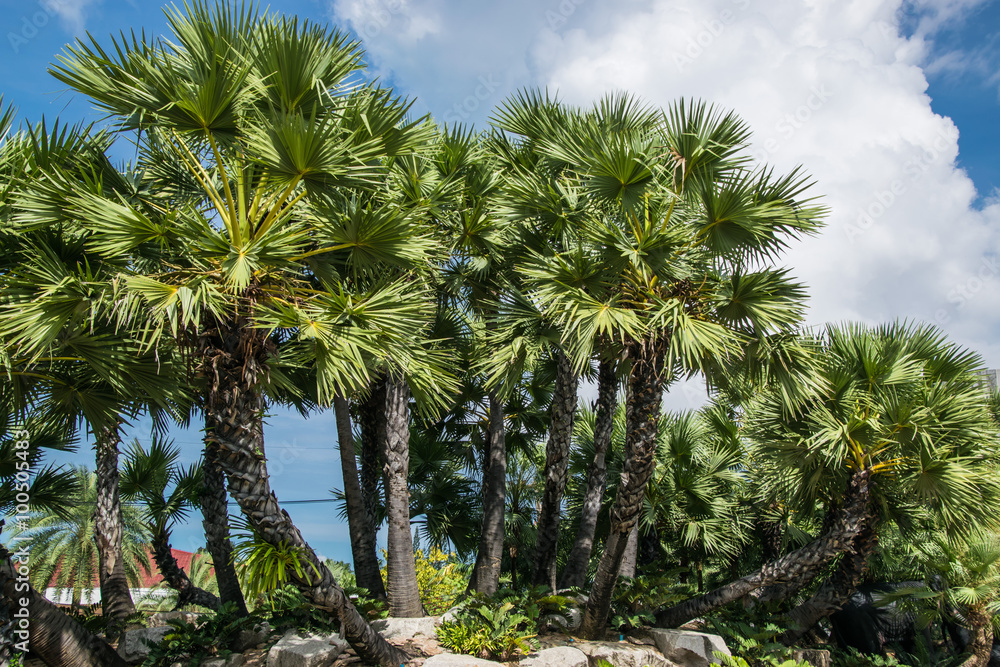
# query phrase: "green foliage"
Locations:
[[852, 657], [753, 646], [264, 567], [286, 608], [191, 644], [441, 579], [492, 632], [636, 600], [89, 617]]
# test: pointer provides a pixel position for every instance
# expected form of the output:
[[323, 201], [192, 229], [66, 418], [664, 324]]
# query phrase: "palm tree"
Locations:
[[246, 124], [901, 428], [64, 545], [145, 478], [165, 597], [672, 264]]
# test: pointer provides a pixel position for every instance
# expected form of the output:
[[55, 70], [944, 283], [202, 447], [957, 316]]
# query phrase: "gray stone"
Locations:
[[247, 639], [162, 618], [451, 615], [234, 660], [407, 628], [569, 621], [815, 657], [689, 648], [309, 651], [132, 646], [623, 654], [456, 660], [558, 656]]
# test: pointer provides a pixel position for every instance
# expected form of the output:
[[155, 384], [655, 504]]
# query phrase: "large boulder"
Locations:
[[623, 654], [569, 621], [162, 618], [456, 660], [132, 646], [407, 628], [557, 656], [293, 650], [689, 648], [251, 637]]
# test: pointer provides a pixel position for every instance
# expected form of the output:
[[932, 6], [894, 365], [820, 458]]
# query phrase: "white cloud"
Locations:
[[838, 87], [72, 13]]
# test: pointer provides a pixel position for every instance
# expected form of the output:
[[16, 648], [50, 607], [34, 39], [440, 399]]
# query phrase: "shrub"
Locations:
[[191, 644], [497, 633]]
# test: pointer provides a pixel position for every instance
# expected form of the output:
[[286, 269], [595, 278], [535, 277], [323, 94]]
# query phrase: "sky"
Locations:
[[891, 106]]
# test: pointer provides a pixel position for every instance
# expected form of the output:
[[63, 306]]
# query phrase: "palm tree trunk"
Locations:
[[642, 421], [486, 574], [176, 578], [575, 572], [981, 629], [401, 570], [116, 598], [215, 521], [235, 358], [361, 527], [372, 420], [630, 559], [563, 411], [52, 635], [799, 563], [838, 589]]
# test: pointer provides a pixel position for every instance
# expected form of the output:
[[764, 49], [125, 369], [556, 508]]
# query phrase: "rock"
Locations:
[[559, 656], [454, 660], [162, 618], [815, 657], [621, 654], [309, 651], [571, 620], [132, 646], [407, 628], [252, 637], [451, 615], [689, 648]]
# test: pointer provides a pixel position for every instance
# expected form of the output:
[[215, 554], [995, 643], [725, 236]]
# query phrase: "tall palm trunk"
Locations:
[[642, 419], [799, 563], [361, 527], [401, 569], [981, 628], [838, 589], [175, 577], [575, 572], [486, 574], [563, 411], [52, 635], [630, 559], [116, 598], [235, 358], [215, 521], [371, 415]]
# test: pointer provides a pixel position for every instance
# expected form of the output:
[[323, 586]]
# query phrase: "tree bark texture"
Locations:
[[116, 598], [575, 572], [981, 630], [360, 525], [834, 593], [799, 563], [175, 576], [235, 362], [52, 635], [371, 414], [563, 412], [642, 419], [404, 595], [486, 575], [630, 559], [215, 521]]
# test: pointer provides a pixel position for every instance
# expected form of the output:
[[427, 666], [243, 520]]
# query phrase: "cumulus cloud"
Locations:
[[837, 87]]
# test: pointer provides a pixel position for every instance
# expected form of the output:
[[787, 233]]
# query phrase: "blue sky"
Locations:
[[892, 107]]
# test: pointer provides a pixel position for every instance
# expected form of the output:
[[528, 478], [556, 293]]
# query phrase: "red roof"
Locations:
[[153, 577]]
